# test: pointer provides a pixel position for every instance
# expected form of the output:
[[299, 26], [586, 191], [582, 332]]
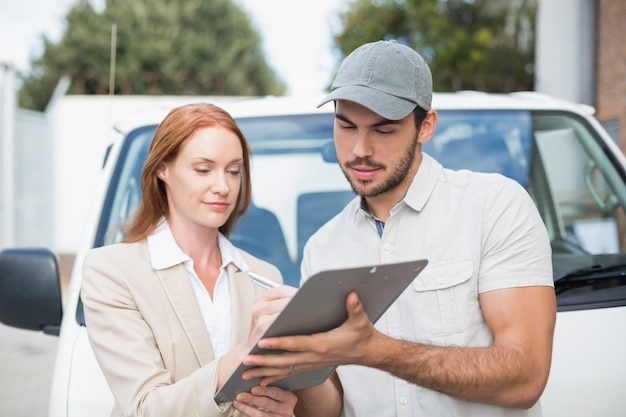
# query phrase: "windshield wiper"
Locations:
[[588, 275]]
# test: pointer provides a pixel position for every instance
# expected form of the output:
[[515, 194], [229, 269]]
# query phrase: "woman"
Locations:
[[169, 311]]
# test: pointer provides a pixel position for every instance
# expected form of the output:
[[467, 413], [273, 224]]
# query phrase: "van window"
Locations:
[[297, 184], [294, 187], [576, 187], [497, 141]]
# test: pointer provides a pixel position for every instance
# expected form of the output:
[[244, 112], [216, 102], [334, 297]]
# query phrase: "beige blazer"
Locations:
[[148, 334]]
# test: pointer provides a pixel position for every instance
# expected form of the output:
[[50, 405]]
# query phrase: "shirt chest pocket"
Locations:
[[446, 298]]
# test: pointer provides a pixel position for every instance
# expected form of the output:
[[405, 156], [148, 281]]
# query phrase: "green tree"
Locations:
[[486, 45], [176, 47]]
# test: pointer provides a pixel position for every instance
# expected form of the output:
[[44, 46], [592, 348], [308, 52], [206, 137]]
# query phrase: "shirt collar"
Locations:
[[424, 183], [420, 189], [230, 254], [165, 252]]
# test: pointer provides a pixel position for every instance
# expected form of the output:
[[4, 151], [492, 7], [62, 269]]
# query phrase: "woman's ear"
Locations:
[[161, 171], [429, 124]]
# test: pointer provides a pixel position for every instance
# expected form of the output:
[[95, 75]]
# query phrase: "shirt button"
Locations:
[[403, 400], [440, 280], [387, 246]]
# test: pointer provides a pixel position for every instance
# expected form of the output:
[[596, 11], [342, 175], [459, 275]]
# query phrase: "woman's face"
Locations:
[[204, 179]]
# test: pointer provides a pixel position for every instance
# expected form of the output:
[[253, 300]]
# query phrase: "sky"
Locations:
[[297, 35]]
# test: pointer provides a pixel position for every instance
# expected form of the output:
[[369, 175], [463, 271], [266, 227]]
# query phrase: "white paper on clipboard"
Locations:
[[320, 305]]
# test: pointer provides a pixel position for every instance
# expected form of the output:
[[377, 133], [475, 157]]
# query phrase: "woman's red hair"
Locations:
[[178, 126]]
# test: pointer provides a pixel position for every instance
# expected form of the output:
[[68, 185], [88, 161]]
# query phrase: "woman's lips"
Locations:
[[218, 205]]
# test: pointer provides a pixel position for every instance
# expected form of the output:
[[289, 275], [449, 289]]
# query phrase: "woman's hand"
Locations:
[[266, 308], [266, 401]]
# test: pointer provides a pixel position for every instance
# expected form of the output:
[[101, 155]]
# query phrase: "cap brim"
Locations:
[[384, 104]]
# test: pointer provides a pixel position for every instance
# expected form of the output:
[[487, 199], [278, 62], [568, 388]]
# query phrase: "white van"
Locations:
[[557, 150]]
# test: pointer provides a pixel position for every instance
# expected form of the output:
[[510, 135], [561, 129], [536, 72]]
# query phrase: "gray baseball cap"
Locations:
[[388, 78]]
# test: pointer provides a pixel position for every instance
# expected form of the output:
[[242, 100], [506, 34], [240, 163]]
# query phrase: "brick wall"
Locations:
[[611, 64], [611, 74]]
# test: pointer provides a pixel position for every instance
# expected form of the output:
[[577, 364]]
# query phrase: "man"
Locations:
[[473, 334]]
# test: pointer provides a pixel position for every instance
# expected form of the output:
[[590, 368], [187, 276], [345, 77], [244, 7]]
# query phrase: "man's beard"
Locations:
[[395, 179]]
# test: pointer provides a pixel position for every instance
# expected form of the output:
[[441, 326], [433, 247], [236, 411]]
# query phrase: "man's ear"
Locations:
[[428, 126]]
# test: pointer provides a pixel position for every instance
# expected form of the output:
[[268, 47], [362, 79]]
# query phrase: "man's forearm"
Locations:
[[494, 375]]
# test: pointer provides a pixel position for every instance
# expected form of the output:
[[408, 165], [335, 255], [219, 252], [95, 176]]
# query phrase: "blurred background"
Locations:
[[70, 70]]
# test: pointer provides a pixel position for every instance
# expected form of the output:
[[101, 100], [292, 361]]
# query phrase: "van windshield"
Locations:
[[297, 184]]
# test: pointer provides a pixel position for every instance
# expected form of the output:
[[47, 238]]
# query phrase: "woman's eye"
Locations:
[[202, 170], [234, 172]]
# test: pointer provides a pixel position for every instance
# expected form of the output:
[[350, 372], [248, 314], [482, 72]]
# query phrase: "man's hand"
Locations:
[[302, 353]]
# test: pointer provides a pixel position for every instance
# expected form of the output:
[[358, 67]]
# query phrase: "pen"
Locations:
[[262, 281]]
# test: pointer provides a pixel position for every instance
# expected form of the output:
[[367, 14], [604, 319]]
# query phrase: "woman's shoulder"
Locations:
[[259, 265], [117, 250], [118, 262]]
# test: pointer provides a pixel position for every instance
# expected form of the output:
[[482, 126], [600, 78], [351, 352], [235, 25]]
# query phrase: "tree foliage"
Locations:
[[176, 47], [485, 45]]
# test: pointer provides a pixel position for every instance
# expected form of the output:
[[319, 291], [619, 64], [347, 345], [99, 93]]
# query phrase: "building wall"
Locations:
[[34, 173], [82, 127], [611, 68], [565, 54], [26, 171], [8, 104]]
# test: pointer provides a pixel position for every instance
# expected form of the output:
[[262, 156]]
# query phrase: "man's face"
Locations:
[[378, 156]]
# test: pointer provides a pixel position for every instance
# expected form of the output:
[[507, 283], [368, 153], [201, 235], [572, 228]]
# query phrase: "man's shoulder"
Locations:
[[465, 176], [482, 184]]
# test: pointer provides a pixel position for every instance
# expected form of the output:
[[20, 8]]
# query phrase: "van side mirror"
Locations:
[[30, 290]]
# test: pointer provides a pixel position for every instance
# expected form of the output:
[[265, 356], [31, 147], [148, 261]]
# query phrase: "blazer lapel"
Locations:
[[242, 293], [180, 293]]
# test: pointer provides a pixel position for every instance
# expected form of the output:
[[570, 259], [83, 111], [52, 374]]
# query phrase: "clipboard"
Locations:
[[319, 306]]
